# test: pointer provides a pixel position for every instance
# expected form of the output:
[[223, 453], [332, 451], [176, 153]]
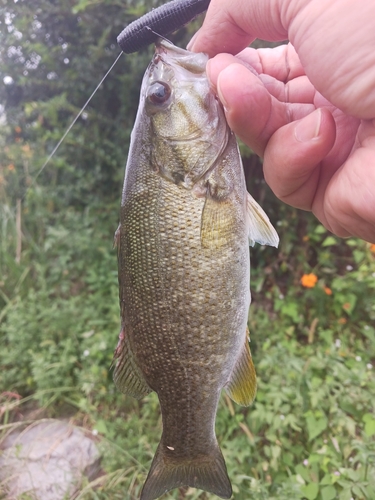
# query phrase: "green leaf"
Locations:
[[315, 426], [329, 241], [351, 242], [350, 301], [354, 475], [291, 309], [369, 421], [327, 479], [310, 491], [370, 427], [346, 494], [320, 229], [358, 256], [101, 427], [328, 492], [357, 491], [303, 472]]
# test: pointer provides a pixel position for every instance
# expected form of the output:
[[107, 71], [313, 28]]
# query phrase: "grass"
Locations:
[[310, 433]]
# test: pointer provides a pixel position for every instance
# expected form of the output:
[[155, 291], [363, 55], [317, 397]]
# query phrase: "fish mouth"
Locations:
[[163, 45], [195, 62]]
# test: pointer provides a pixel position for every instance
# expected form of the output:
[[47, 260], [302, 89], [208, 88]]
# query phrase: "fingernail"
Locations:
[[308, 128], [190, 45]]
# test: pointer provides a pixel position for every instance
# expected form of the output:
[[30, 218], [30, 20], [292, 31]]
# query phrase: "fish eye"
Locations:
[[159, 93]]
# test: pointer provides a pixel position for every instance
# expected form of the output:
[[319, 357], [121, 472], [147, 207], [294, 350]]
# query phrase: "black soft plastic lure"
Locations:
[[159, 22]]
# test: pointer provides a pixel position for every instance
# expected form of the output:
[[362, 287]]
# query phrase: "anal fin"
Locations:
[[127, 375], [242, 386]]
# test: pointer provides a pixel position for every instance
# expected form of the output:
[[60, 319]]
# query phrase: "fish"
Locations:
[[186, 221]]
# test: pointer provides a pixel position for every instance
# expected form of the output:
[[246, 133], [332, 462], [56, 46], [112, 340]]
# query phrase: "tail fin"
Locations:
[[207, 473]]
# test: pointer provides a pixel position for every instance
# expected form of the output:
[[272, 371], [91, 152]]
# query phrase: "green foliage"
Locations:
[[310, 433]]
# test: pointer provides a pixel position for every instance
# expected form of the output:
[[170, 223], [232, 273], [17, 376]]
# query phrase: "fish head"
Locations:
[[188, 126]]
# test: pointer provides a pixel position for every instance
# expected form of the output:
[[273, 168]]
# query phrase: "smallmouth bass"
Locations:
[[184, 269]]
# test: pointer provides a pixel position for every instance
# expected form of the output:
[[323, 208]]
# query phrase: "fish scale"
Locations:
[[184, 270]]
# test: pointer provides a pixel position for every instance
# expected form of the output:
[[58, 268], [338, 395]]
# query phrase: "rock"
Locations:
[[47, 460]]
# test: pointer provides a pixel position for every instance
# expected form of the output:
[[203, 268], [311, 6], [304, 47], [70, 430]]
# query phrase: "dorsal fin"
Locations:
[[260, 228]]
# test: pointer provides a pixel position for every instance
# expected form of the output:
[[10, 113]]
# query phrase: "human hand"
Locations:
[[310, 111]]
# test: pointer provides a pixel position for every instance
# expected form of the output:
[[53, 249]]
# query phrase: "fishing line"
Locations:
[[71, 126], [157, 34]]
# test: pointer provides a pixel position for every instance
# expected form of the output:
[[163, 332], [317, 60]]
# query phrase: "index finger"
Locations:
[[280, 62], [231, 26]]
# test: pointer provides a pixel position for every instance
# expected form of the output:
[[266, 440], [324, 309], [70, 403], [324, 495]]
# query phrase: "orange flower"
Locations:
[[327, 290], [342, 321], [11, 167], [17, 130], [309, 280], [346, 306], [305, 238], [372, 248]]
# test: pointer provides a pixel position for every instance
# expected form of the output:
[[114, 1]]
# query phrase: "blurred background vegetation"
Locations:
[[310, 433]]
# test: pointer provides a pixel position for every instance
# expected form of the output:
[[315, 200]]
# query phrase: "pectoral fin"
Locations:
[[217, 223], [127, 376], [260, 228], [242, 386]]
